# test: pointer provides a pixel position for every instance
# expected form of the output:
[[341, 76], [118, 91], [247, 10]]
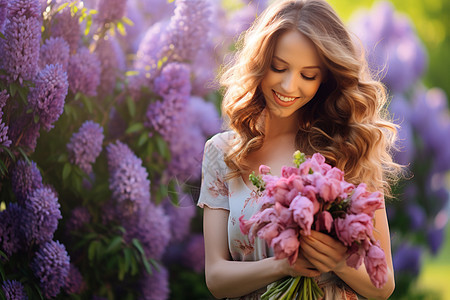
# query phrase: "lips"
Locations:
[[281, 102]]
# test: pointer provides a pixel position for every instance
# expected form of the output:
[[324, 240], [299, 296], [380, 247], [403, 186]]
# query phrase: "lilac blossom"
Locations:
[[24, 132], [25, 178], [3, 11], [130, 41], [173, 85], [55, 50], [155, 10], [116, 152], [51, 265], [10, 229], [241, 20], [4, 96], [128, 178], [48, 96], [180, 215], [417, 216], [116, 125], [150, 225], [186, 150], [431, 120], [401, 109], [74, 281], [84, 72], [112, 60], [20, 49], [109, 11], [205, 71], [189, 28], [41, 212], [204, 115], [4, 139], [391, 45], [79, 217], [194, 255], [150, 51], [66, 26], [407, 259], [435, 238], [155, 286], [85, 145], [14, 290]]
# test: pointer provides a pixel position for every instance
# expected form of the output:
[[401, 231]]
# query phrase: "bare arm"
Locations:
[[328, 254], [226, 278]]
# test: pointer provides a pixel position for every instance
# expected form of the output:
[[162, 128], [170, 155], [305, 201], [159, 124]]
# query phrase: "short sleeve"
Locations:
[[214, 189]]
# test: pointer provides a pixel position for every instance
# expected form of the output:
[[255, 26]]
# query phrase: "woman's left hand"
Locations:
[[323, 251]]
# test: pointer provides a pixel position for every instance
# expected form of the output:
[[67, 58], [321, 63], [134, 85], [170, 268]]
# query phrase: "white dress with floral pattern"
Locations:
[[236, 197]]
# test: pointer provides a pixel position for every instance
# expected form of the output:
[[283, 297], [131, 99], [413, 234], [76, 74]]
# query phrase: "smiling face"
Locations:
[[294, 76]]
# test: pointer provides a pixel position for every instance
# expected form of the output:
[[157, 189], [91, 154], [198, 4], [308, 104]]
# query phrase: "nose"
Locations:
[[289, 83]]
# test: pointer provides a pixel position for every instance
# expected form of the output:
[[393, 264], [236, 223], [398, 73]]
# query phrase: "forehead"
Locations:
[[296, 49]]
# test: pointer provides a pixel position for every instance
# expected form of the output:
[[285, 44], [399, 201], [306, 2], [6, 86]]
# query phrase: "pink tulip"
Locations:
[[302, 212], [286, 245], [310, 191], [324, 221], [283, 214], [353, 228], [356, 255], [264, 170], [376, 265], [362, 201], [270, 231], [286, 171]]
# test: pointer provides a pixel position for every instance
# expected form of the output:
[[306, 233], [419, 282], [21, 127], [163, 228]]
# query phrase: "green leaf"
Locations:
[[143, 138], [138, 246], [24, 155], [114, 245], [121, 273], [131, 107], [62, 158], [93, 246], [67, 169], [134, 266], [2, 36], [36, 119], [127, 253], [87, 102], [88, 24], [13, 89], [23, 93], [135, 127]]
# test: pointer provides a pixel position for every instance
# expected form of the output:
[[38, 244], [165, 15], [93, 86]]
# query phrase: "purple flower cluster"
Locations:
[[24, 132], [84, 72], [401, 111], [194, 255], [20, 49], [112, 60], [174, 86], [155, 286], [48, 96], [10, 229], [85, 145], [74, 281], [25, 178], [180, 215], [128, 178], [55, 50], [51, 265], [407, 259], [14, 290], [80, 216], [431, 120], [41, 212], [66, 26], [391, 45], [109, 11], [189, 28], [4, 139], [3, 11], [151, 227]]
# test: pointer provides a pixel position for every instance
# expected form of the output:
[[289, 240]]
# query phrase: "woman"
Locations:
[[297, 83]]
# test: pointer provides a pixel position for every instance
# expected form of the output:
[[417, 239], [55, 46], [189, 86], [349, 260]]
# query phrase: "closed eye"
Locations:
[[277, 70], [308, 78]]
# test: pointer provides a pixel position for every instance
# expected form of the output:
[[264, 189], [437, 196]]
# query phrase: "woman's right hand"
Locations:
[[301, 267]]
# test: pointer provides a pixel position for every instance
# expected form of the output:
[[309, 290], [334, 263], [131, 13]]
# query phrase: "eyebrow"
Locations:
[[308, 67]]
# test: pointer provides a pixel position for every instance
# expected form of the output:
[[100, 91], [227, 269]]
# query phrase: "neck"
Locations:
[[275, 126]]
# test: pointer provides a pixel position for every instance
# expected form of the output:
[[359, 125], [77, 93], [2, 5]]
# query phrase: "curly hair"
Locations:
[[346, 121]]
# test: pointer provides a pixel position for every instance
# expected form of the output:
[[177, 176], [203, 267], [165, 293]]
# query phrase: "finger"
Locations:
[[323, 261], [327, 240]]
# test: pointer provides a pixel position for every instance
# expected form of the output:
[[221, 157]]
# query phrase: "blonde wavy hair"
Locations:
[[346, 121]]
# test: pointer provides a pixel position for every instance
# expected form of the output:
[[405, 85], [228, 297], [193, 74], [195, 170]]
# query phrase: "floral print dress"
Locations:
[[236, 197]]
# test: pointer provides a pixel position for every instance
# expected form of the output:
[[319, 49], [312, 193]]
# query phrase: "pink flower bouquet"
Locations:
[[314, 195]]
